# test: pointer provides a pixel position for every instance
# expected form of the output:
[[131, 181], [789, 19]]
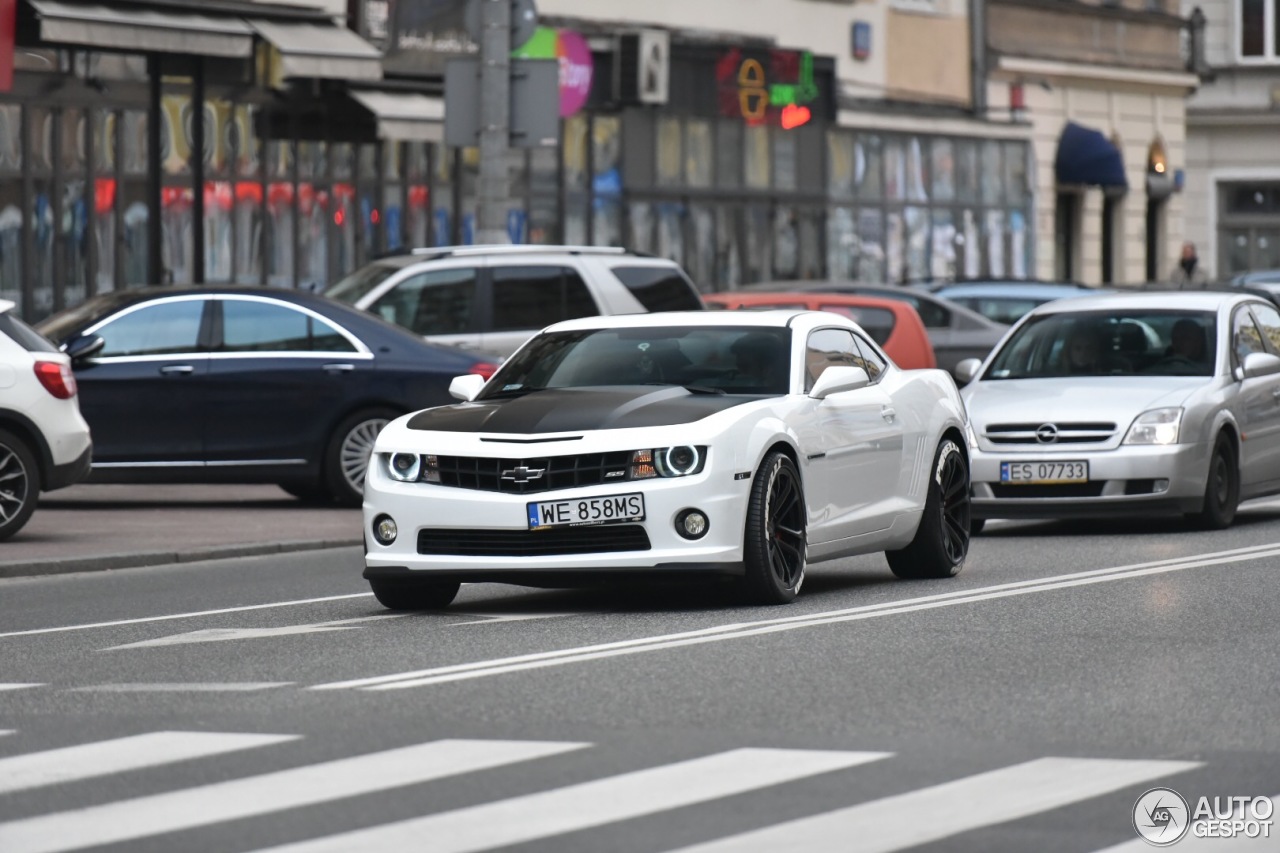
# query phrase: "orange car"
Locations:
[[894, 325]]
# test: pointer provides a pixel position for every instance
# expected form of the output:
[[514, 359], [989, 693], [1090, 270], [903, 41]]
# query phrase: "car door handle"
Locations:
[[177, 369], [339, 368], [888, 413]]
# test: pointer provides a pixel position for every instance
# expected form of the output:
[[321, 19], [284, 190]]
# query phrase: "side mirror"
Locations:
[[466, 388], [836, 379], [1261, 364], [967, 370], [83, 346]]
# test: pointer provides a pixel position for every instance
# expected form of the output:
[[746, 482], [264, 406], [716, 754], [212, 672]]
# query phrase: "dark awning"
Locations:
[[142, 30], [319, 50], [404, 115], [1087, 157]]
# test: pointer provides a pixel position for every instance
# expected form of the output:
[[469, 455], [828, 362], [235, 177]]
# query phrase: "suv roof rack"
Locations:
[[517, 249]]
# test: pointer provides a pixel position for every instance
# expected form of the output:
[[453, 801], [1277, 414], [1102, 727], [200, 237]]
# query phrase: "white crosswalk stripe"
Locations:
[[258, 795], [930, 814], [104, 758], [4, 732], [18, 686], [591, 804]]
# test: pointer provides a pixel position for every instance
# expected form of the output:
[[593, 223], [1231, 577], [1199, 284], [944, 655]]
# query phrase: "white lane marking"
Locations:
[[218, 635], [271, 792], [183, 687], [4, 732], [539, 660], [1192, 844], [941, 811], [16, 686], [577, 807], [192, 615], [485, 618], [103, 758]]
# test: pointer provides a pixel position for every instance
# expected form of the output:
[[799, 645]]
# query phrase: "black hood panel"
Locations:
[[577, 409]]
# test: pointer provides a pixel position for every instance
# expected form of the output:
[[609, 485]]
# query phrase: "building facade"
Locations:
[[1233, 124]]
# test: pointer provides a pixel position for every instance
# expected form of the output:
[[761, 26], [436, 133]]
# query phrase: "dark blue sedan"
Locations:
[[245, 385]]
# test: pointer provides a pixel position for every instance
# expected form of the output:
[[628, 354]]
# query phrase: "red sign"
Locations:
[[767, 87], [8, 10]]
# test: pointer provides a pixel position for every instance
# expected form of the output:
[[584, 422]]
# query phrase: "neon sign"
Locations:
[[772, 88]]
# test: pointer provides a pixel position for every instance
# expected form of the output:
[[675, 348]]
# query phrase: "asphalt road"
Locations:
[[268, 702]]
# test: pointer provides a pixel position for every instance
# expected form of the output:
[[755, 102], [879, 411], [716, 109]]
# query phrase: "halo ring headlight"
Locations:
[[405, 467]]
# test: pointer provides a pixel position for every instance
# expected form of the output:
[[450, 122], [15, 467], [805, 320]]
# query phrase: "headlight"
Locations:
[[1158, 426], [410, 467], [680, 461]]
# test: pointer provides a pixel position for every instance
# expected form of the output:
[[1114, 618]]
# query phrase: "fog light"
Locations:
[[384, 530], [1160, 486], [692, 524]]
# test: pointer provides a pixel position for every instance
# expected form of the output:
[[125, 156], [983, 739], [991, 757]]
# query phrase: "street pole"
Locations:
[[495, 115]]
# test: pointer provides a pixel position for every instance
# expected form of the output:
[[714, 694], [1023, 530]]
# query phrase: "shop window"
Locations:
[[942, 170], [994, 243], [840, 164], [895, 170], [868, 167], [872, 251], [40, 133], [699, 154], [606, 156], [942, 254], [728, 264], [574, 152], [786, 244], [670, 171], [700, 261], [606, 221], [918, 235], [11, 206], [784, 161], [991, 176], [729, 151], [966, 153], [842, 244], [916, 179], [640, 224], [756, 157], [670, 231], [443, 217], [1257, 29]]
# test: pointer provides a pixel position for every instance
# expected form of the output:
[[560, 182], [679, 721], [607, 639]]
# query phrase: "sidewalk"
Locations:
[[94, 527]]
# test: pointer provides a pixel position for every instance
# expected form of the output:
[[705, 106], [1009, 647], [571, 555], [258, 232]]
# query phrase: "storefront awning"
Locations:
[[405, 115], [142, 30], [319, 50], [1087, 157]]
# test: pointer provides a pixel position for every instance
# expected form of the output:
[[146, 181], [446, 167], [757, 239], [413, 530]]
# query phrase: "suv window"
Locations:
[[160, 329], [660, 288], [533, 297], [438, 302], [25, 336], [361, 282], [878, 322], [252, 326]]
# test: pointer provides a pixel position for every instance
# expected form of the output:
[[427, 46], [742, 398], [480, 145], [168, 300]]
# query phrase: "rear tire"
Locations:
[[19, 484], [347, 455], [1222, 488], [308, 493], [413, 594], [976, 525], [942, 539], [773, 547]]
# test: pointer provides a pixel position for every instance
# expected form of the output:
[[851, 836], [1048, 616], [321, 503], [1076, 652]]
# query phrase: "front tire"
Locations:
[[413, 594], [773, 548], [346, 457], [1222, 488], [942, 539], [19, 484]]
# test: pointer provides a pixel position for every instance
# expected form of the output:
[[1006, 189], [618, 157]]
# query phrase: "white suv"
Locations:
[[494, 298], [44, 442]]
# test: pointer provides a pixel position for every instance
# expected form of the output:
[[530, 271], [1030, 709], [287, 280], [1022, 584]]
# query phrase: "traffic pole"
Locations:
[[493, 189]]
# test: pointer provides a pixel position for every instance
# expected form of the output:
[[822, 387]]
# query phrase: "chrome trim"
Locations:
[[201, 464]]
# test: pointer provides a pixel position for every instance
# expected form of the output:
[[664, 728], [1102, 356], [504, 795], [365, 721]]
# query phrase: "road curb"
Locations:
[[59, 566]]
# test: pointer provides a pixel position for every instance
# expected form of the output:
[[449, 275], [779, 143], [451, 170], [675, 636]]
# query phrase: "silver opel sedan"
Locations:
[[1147, 403]]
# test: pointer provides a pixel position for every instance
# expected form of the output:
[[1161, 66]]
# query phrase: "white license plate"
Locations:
[[586, 511], [1072, 471]]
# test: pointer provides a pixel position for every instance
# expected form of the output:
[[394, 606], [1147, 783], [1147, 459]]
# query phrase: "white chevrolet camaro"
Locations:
[[743, 445]]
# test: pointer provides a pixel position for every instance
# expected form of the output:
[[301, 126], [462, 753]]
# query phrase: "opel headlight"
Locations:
[[680, 461], [1158, 426]]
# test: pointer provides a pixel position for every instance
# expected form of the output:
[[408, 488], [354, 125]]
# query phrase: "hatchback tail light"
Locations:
[[483, 368], [56, 378]]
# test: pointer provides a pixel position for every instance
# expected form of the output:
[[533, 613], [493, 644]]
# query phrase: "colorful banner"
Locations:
[[576, 64]]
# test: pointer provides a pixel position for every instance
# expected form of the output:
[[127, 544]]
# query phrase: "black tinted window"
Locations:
[[252, 326], [439, 302], [160, 329], [531, 297], [27, 338], [660, 288]]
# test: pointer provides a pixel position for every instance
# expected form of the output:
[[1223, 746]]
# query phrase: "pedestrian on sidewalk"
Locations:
[[1187, 273]]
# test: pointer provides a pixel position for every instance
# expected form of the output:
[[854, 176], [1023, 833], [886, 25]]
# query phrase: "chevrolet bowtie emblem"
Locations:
[[523, 474]]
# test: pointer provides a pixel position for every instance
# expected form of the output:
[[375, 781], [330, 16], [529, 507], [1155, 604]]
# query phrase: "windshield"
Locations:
[[1110, 343], [360, 282], [58, 327], [719, 359]]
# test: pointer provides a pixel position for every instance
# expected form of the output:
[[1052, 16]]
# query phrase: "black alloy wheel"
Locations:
[[19, 483], [775, 539], [941, 542]]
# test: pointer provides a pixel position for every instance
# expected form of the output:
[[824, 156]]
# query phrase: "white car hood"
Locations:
[[1111, 398]]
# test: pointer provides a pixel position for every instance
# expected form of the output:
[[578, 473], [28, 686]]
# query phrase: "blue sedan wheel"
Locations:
[[349, 451]]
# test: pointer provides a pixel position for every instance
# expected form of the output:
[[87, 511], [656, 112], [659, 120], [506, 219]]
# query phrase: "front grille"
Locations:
[[548, 542], [1085, 432], [1049, 490], [557, 472]]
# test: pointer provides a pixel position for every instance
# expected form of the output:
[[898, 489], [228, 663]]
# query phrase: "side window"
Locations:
[[169, 327], [1245, 337], [660, 288], [531, 297], [439, 302], [876, 322], [869, 360], [828, 348], [1269, 322], [252, 326], [933, 316]]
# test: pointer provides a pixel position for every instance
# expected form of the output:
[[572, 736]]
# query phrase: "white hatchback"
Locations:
[[44, 442]]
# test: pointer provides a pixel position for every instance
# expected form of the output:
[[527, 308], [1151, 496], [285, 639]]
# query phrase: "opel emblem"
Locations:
[[523, 474], [1046, 433]]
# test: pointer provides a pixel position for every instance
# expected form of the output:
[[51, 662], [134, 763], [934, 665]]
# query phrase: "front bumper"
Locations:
[[440, 510], [1126, 480]]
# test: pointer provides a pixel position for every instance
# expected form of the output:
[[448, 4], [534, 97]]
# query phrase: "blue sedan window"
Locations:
[[161, 329], [253, 326]]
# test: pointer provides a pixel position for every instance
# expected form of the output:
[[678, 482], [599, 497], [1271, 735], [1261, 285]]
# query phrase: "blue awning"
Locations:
[[1087, 157]]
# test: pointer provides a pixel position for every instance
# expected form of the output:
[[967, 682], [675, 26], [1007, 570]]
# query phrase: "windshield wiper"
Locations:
[[506, 395]]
